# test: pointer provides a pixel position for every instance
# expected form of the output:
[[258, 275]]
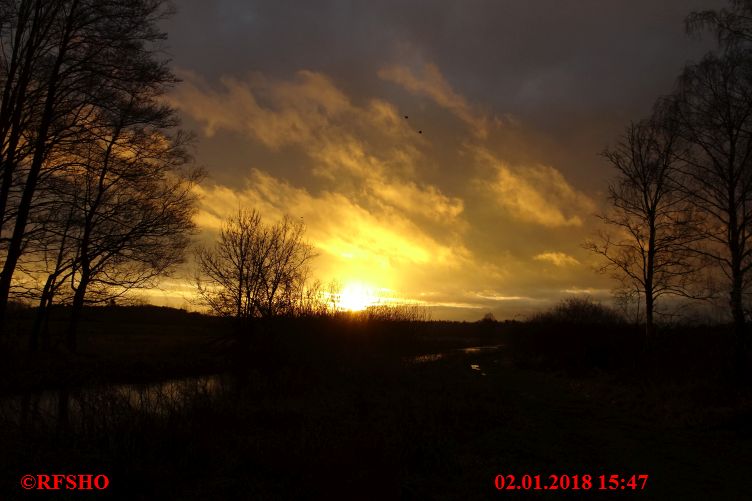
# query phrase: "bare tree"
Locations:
[[227, 269], [285, 271], [254, 269], [116, 210], [133, 203], [47, 264], [713, 102], [61, 62], [115, 219], [646, 250]]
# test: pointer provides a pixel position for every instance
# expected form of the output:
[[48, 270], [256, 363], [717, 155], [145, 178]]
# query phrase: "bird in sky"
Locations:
[[420, 131]]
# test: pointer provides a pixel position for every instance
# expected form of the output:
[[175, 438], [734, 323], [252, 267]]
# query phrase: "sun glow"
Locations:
[[356, 297]]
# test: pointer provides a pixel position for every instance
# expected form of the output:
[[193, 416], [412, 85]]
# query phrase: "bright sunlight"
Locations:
[[356, 297]]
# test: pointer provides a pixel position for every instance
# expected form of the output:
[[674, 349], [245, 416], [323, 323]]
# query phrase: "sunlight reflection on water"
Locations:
[[433, 357]]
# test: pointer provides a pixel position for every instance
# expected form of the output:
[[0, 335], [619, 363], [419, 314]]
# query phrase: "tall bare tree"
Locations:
[[649, 216], [254, 269], [48, 261], [133, 204], [713, 102], [60, 63]]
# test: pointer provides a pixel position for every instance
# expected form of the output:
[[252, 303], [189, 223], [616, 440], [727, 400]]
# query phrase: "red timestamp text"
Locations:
[[586, 482]]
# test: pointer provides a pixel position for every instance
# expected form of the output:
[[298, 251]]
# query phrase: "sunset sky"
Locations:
[[480, 200]]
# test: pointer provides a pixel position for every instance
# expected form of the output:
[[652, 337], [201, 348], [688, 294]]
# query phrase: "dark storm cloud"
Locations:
[[518, 54], [574, 70]]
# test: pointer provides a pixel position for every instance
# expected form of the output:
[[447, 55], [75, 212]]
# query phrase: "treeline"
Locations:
[[95, 188], [680, 216]]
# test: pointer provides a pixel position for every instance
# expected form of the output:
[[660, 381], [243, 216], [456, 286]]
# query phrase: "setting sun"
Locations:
[[356, 297]]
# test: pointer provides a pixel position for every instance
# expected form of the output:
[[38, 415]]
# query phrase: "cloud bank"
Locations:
[[384, 205]]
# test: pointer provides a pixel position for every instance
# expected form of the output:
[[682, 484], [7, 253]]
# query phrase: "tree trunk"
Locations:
[[14, 98], [649, 325], [737, 281], [76, 308], [41, 316], [40, 151], [740, 334], [649, 275]]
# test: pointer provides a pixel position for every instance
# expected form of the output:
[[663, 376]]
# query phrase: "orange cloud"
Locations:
[[276, 113], [348, 144], [559, 259], [537, 194], [351, 238]]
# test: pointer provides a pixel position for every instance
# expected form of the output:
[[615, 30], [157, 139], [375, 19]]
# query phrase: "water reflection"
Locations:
[[84, 406], [481, 349], [476, 367], [433, 357]]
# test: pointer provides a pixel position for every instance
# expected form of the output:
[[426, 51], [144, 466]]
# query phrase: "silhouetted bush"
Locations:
[[488, 317], [579, 310], [577, 334]]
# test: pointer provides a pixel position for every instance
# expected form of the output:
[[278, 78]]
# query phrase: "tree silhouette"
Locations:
[[133, 204], [713, 105], [649, 214], [61, 64], [117, 214], [254, 269], [47, 262]]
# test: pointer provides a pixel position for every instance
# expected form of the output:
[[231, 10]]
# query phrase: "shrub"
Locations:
[[579, 310]]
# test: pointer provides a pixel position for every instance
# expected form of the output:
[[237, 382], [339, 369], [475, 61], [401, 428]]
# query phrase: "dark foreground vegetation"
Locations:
[[333, 407]]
